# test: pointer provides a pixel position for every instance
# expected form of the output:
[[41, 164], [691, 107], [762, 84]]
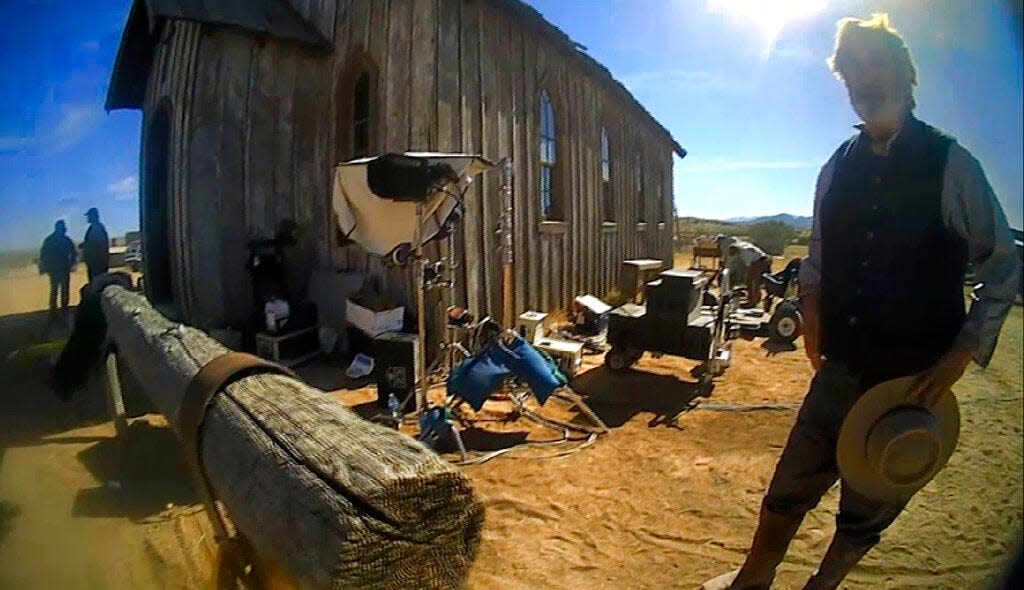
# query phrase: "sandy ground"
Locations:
[[24, 290], [666, 500]]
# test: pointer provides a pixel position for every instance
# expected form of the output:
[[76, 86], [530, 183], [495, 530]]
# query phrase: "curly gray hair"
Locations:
[[877, 31]]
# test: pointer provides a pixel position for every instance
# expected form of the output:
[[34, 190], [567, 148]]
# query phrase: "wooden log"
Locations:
[[332, 499]]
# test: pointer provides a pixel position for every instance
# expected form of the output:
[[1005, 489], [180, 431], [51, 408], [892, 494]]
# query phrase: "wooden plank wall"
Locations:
[[258, 156], [454, 75], [171, 82]]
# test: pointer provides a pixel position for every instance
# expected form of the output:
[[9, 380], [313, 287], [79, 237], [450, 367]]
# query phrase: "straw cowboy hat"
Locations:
[[889, 448]]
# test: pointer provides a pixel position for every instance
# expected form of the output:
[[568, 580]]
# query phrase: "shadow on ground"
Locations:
[[368, 410], [29, 408], [8, 512], [329, 375], [618, 397], [21, 330], [773, 348], [475, 438], [142, 470]]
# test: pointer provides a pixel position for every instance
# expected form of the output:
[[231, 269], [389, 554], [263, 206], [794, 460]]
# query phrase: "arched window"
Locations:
[[155, 205], [641, 203], [606, 177], [549, 208], [662, 205], [355, 125], [361, 115]]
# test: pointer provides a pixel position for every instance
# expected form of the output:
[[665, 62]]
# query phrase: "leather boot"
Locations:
[[774, 532], [840, 558]]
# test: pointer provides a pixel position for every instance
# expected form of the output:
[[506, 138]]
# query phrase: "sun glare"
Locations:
[[766, 16]]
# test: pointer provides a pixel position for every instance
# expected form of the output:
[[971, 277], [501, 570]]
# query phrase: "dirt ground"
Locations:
[[666, 500]]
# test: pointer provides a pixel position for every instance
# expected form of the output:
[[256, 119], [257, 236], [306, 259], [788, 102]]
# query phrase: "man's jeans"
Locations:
[[807, 468], [59, 282]]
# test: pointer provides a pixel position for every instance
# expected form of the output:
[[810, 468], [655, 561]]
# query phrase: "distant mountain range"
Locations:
[[797, 221]]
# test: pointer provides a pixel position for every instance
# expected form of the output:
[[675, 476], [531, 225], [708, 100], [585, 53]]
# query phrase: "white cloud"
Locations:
[[125, 189], [722, 165], [73, 122], [76, 121]]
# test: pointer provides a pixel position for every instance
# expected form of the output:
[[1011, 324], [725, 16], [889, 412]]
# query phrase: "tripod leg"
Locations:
[[458, 440], [578, 402]]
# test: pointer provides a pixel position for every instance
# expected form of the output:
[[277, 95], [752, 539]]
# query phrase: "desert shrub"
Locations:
[[771, 236], [802, 238]]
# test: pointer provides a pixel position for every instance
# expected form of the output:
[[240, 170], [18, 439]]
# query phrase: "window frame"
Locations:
[[361, 118], [550, 198], [359, 67], [638, 188], [608, 209]]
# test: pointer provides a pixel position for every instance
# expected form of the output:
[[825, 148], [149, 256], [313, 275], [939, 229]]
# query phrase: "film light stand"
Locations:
[[428, 276], [440, 275]]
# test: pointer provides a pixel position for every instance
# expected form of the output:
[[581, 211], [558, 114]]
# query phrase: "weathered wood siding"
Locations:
[[453, 75], [171, 84], [255, 158]]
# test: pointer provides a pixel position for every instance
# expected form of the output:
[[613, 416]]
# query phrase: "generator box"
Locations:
[[395, 356], [530, 326], [590, 315], [676, 295], [289, 348], [568, 355], [634, 274]]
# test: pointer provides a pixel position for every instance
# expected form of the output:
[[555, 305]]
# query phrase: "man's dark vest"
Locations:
[[892, 273]]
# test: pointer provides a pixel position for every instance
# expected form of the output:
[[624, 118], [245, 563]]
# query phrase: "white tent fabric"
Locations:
[[380, 225]]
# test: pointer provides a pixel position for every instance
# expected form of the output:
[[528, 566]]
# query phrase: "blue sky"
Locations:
[[744, 89]]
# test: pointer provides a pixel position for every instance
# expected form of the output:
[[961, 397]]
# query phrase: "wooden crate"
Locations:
[[288, 348], [635, 274]]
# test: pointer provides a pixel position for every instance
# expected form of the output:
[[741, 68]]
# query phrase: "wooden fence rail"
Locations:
[[333, 500]]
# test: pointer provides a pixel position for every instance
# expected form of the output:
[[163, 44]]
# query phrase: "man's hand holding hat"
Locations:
[[930, 385]]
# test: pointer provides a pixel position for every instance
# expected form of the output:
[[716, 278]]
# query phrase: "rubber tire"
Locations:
[[617, 360], [786, 324]]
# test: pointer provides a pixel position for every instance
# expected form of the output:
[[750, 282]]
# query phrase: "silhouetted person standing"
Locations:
[[56, 258], [96, 246]]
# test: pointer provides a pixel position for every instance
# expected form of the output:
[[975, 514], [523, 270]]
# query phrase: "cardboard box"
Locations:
[[373, 323], [568, 354], [531, 326]]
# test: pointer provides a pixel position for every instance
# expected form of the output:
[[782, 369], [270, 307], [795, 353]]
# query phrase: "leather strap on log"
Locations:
[[211, 379]]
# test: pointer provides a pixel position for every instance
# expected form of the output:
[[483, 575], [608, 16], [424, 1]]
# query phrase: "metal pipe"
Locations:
[[421, 312], [508, 257]]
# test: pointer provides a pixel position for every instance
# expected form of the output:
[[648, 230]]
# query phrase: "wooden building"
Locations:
[[248, 106]]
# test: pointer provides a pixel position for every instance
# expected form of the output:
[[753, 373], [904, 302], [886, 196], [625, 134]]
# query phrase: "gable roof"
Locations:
[[274, 18], [279, 19], [600, 74]]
